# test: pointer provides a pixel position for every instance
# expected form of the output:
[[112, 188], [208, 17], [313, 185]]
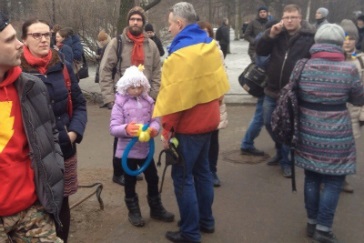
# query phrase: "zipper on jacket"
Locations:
[[284, 63]]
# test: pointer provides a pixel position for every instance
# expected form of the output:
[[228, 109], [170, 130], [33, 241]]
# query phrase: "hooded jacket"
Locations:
[[44, 154]]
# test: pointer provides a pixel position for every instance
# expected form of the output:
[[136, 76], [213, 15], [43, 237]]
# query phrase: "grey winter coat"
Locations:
[[42, 135]]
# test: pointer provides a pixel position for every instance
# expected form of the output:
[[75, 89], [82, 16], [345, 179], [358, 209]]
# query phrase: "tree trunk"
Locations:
[[308, 10], [238, 21], [125, 6], [150, 5], [210, 11]]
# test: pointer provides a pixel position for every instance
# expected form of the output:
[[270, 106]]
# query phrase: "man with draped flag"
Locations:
[[193, 82]]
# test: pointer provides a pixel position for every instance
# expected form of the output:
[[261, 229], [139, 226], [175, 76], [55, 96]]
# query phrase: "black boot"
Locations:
[[324, 237], [135, 217], [157, 211]]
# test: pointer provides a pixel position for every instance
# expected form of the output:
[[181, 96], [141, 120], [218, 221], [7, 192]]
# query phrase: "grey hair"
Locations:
[[185, 11]]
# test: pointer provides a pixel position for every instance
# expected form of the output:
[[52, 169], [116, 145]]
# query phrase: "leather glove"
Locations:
[[132, 129]]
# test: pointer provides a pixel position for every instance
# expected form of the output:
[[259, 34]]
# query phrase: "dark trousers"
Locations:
[[150, 174], [65, 218], [214, 150], [224, 49], [118, 169]]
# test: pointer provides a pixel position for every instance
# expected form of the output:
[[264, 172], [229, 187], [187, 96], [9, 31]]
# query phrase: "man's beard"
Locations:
[[135, 30]]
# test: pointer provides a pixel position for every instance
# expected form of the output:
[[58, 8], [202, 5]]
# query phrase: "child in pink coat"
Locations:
[[133, 106]]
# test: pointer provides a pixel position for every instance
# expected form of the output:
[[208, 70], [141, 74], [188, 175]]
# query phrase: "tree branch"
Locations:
[[150, 5]]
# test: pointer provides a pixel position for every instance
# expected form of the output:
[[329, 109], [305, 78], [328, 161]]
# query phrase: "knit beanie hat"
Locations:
[[4, 21], [102, 36], [323, 11], [350, 29], [137, 10], [132, 77], [148, 27], [330, 34], [262, 8]]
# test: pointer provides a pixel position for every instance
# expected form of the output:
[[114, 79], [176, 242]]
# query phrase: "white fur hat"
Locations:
[[133, 77]]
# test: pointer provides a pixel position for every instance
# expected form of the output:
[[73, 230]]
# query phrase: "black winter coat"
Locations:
[[58, 93], [42, 135], [254, 28], [223, 35], [158, 42], [284, 51]]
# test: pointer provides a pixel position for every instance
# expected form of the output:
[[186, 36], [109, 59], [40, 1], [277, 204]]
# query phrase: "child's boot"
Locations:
[[135, 217], [157, 211]]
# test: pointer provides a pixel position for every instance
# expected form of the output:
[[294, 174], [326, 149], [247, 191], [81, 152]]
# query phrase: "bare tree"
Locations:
[[125, 6]]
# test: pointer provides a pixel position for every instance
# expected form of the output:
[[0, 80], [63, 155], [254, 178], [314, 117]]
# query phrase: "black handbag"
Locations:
[[253, 80], [83, 71]]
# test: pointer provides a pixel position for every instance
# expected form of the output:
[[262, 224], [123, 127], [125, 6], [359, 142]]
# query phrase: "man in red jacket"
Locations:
[[193, 81], [23, 217]]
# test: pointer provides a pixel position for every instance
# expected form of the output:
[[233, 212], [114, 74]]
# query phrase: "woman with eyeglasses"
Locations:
[[40, 60]]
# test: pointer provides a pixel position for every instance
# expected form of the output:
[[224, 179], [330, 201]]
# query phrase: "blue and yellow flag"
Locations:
[[192, 74]]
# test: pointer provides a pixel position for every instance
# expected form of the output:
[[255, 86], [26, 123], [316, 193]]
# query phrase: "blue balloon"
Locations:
[[124, 159]]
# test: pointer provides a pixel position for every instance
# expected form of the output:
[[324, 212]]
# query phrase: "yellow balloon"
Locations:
[[144, 137], [140, 129]]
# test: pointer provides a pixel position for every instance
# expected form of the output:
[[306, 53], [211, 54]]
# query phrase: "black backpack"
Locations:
[[285, 116], [119, 49]]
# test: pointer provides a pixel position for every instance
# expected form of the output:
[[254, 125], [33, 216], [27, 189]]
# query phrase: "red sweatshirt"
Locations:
[[17, 188], [200, 119]]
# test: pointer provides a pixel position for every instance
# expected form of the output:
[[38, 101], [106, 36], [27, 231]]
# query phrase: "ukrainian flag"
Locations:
[[192, 74]]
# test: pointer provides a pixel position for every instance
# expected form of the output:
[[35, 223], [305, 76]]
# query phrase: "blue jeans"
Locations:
[[193, 185], [321, 203], [255, 126], [282, 150]]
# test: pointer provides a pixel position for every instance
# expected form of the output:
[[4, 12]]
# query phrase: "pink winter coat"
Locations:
[[131, 109]]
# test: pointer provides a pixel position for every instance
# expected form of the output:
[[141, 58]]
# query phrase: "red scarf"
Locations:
[[137, 55], [11, 75], [40, 63]]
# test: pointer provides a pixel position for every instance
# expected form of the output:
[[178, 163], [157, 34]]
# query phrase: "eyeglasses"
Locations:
[[290, 17], [39, 36], [136, 19]]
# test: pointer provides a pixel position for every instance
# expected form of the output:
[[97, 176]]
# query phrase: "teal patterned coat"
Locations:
[[326, 144]]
